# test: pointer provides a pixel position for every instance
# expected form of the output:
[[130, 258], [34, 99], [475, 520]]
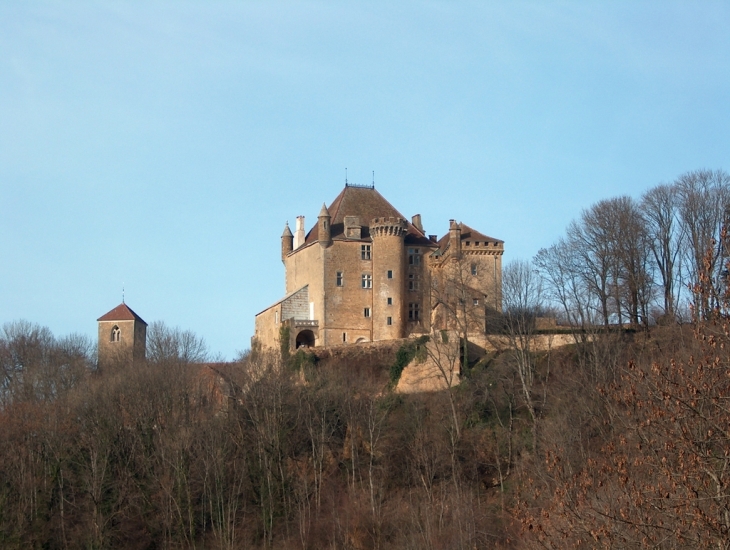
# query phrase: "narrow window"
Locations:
[[414, 256], [367, 280], [366, 312], [389, 321], [276, 318], [412, 281], [344, 337], [413, 311], [473, 269], [390, 301], [339, 278], [116, 335], [365, 252], [390, 274]]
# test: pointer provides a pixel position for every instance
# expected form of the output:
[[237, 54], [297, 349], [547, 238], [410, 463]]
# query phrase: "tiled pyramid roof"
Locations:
[[121, 313], [366, 203]]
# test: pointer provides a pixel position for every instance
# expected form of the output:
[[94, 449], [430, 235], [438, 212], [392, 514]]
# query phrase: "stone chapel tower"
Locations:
[[122, 337]]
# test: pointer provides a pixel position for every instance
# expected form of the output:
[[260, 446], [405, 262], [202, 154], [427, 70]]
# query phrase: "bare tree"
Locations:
[[704, 196], [522, 299], [659, 207], [165, 344]]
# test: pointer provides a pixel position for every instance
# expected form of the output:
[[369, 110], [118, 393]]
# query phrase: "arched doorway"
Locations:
[[305, 338]]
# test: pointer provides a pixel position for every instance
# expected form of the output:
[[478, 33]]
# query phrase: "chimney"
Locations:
[[455, 238], [299, 233], [416, 221]]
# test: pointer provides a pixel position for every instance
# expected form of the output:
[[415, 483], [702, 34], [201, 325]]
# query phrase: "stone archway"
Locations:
[[305, 338]]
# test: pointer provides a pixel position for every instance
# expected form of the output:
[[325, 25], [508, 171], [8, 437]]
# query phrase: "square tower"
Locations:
[[122, 337]]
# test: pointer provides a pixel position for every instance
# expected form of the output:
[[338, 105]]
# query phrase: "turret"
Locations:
[[455, 238], [287, 242], [389, 272], [323, 227]]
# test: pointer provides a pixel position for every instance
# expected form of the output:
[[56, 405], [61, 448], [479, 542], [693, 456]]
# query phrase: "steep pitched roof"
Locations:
[[365, 203], [467, 234], [121, 313]]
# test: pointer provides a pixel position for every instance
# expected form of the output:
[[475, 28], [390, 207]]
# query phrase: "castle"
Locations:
[[365, 273]]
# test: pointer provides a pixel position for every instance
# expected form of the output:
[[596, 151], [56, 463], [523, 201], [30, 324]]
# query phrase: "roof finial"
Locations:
[[345, 176], [122, 291], [373, 178]]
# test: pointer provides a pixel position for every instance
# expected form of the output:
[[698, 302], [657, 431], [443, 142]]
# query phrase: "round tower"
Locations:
[[323, 227], [287, 242], [389, 267]]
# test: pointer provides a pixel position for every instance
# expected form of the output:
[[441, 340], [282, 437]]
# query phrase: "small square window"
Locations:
[[340, 278], [390, 301], [473, 269], [389, 321], [365, 252], [390, 274], [367, 280], [476, 301], [366, 312]]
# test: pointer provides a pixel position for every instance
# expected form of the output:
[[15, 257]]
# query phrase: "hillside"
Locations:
[[320, 452]]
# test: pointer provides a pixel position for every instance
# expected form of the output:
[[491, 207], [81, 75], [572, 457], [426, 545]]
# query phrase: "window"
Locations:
[[476, 301], [390, 274], [366, 312], [473, 269], [412, 281], [414, 256], [389, 321], [344, 337], [365, 252], [367, 280], [413, 311], [116, 335], [390, 301], [339, 278]]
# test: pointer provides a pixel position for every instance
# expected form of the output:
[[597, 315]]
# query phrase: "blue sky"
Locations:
[[162, 145]]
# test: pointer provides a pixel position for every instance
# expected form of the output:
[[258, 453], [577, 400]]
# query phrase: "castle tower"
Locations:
[[389, 259], [122, 337], [287, 242], [324, 228]]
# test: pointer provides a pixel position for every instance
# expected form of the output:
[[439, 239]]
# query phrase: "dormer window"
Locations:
[[116, 335]]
